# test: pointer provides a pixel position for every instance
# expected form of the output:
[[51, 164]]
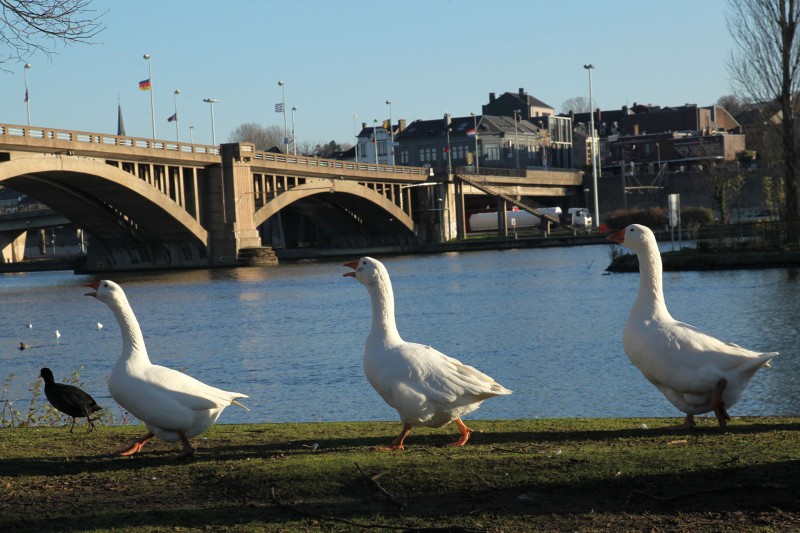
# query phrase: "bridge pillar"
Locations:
[[12, 244], [231, 206]]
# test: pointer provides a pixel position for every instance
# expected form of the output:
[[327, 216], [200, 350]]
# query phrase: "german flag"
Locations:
[[144, 85]]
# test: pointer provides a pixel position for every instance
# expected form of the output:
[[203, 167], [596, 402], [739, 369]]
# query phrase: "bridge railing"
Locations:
[[50, 134], [333, 164]]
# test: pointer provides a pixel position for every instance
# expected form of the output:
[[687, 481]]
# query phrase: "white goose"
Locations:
[[426, 387], [172, 405], [698, 373]]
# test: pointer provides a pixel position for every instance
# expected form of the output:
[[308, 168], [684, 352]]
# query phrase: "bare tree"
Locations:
[[30, 26], [765, 69], [577, 104], [263, 137]]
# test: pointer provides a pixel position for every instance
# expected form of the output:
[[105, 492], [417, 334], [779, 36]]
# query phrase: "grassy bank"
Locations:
[[525, 475]]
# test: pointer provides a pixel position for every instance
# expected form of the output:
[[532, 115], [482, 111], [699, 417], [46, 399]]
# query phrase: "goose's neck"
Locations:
[[651, 291], [133, 348], [384, 326]]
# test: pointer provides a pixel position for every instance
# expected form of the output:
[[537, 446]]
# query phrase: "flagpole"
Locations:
[[27, 96], [285, 124], [391, 131], [177, 131], [152, 98], [294, 135]]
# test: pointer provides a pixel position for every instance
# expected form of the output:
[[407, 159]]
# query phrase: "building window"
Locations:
[[460, 151], [427, 154], [492, 152], [381, 148], [404, 157]]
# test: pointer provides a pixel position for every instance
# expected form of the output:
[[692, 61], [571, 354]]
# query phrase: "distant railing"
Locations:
[[334, 164], [29, 132]]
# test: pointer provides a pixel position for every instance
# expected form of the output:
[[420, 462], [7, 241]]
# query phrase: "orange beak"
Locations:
[[94, 286], [618, 237], [354, 266]]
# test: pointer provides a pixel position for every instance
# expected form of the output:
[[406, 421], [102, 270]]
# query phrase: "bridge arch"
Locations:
[[332, 186], [96, 196]]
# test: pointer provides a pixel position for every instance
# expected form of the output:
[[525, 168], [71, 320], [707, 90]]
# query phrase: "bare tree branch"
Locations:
[[28, 27]]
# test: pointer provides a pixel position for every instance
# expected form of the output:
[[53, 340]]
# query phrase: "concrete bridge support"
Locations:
[[231, 203], [12, 244]]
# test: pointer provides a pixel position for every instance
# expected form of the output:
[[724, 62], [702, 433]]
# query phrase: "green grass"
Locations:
[[521, 475]]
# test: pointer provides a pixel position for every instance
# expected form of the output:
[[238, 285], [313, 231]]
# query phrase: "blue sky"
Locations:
[[340, 59]]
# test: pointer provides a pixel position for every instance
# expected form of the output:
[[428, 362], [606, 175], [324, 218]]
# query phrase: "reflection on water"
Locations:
[[546, 323]]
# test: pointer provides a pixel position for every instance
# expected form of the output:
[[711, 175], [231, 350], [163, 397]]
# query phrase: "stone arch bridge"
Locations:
[[158, 204]]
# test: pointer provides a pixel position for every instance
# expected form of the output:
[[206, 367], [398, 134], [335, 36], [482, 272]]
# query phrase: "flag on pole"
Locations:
[[279, 108], [26, 94], [385, 125], [144, 85], [173, 117], [471, 132]]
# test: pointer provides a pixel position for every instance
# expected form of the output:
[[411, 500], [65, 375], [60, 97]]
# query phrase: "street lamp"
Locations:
[[152, 98], [355, 135], [27, 96], [375, 137], [175, 99], [593, 155], [294, 136], [283, 107], [391, 132], [191, 134], [477, 156], [516, 141], [212, 101], [449, 158]]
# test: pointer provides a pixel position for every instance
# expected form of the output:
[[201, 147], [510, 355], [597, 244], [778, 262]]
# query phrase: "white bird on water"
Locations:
[[173, 405], [425, 386], [698, 373], [99, 325], [58, 334]]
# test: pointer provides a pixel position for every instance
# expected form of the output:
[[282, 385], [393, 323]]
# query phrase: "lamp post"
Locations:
[[355, 135], [191, 134], [285, 126], [516, 141], [294, 136], [449, 159], [152, 98], [596, 217], [391, 132], [375, 137], [477, 155], [212, 101], [175, 99], [27, 96]]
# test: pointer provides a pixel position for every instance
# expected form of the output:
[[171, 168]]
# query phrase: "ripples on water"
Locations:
[[545, 323]]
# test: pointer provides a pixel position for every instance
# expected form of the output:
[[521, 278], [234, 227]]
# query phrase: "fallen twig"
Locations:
[[374, 480], [671, 499]]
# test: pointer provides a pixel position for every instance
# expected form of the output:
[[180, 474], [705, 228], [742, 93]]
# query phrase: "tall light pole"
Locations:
[[391, 132], [375, 137], [516, 140], [212, 101], [294, 136], [285, 125], [596, 217], [447, 131], [191, 134], [27, 96], [477, 155], [355, 135], [175, 99], [152, 98]]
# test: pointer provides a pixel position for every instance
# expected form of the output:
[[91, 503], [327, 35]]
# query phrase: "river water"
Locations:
[[546, 323]]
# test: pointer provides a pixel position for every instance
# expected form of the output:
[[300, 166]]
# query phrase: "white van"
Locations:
[[579, 217]]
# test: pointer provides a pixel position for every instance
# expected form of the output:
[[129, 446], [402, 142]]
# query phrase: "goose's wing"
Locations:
[[444, 379], [188, 391], [685, 358]]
